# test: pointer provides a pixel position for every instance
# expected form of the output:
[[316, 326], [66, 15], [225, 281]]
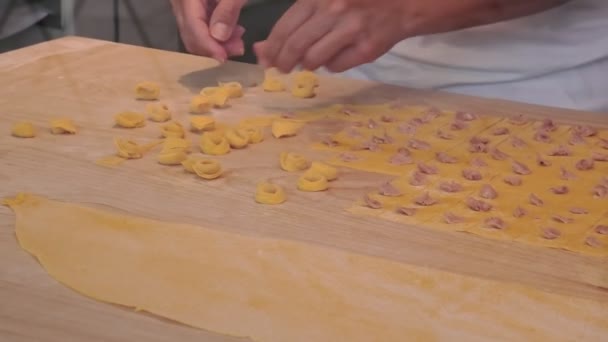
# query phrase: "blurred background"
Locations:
[[147, 23]]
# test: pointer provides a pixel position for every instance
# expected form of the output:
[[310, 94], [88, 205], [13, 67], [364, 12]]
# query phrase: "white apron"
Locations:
[[556, 58]]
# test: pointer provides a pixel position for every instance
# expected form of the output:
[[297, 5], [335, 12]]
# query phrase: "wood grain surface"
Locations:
[[89, 81]]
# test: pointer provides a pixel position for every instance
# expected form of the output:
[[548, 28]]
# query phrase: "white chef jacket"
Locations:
[[558, 58]]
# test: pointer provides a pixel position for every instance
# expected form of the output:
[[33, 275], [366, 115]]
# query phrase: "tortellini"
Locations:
[[237, 138], [23, 130], [235, 89], [130, 120], [207, 168], [63, 126], [158, 112], [312, 181], [172, 156], [214, 143], [329, 172], [200, 105], [147, 91], [286, 128], [173, 130], [202, 123], [128, 149], [292, 162], [179, 143], [255, 134], [268, 193], [306, 77], [272, 84], [303, 91]]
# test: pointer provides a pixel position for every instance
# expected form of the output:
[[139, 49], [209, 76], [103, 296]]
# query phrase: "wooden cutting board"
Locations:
[[89, 81]]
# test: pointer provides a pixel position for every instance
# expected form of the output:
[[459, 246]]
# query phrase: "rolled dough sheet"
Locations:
[[276, 291], [519, 142]]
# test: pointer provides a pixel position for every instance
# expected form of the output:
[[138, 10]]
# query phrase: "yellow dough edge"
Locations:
[[277, 290]]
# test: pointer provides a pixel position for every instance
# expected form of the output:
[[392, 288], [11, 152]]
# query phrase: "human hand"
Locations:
[[209, 27], [337, 34]]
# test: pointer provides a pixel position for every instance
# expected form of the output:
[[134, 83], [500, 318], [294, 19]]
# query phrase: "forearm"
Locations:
[[428, 17]]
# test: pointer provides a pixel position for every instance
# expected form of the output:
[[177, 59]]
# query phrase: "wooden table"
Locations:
[[91, 80]]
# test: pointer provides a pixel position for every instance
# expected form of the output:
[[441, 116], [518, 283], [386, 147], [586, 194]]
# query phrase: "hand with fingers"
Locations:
[[336, 34], [209, 27]]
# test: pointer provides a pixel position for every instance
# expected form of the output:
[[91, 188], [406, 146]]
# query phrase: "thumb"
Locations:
[[224, 18]]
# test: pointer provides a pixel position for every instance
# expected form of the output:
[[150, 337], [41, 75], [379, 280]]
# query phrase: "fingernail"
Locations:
[[240, 51], [220, 31]]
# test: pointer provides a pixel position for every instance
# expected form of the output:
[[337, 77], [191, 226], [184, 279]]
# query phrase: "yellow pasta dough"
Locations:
[[188, 163], [147, 91], [329, 172], [214, 143], [130, 120], [207, 168], [63, 126], [172, 156], [235, 89], [200, 104], [202, 123], [177, 143], [210, 91], [312, 181], [128, 149], [303, 91], [273, 84], [217, 96], [286, 128], [256, 135], [237, 137], [307, 78], [173, 129], [293, 162], [23, 130], [269, 193], [276, 290], [158, 112]]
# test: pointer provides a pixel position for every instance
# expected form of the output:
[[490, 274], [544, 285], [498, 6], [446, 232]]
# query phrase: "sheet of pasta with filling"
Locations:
[[513, 178]]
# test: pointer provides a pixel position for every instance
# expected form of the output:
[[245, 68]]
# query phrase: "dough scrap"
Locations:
[[207, 168], [214, 143], [63, 126], [173, 129], [330, 172], [282, 128], [23, 130], [202, 123], [158, 112], [200, 104], [312, 181], [292, 162], [274, 290], [147, 91], [269, 193], [238, 138], [130, 120]]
